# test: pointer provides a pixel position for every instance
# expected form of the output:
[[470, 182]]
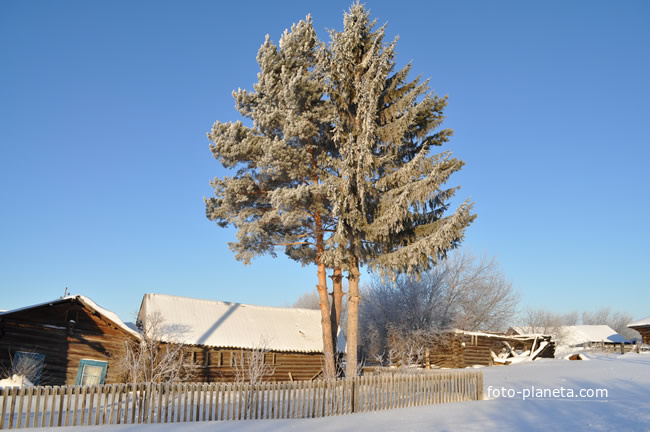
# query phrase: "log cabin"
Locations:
[[643, 327], [216, 334], [67, 341], [579, 335], [460, 349]]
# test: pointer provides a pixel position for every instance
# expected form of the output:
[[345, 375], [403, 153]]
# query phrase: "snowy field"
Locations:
[[625, 407]]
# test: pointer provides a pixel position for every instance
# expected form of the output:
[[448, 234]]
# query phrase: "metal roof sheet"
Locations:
[[236, 325]]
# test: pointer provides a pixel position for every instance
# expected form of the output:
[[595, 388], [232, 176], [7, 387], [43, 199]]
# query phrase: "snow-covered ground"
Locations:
[[15, 381], [625, 407]]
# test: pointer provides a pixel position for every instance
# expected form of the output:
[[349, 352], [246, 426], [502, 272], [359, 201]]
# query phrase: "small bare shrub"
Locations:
[[251, 365], [151, 359]]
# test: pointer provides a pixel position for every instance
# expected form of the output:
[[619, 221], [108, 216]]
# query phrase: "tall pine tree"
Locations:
[[389, 196], [276, 197], [337, 168]]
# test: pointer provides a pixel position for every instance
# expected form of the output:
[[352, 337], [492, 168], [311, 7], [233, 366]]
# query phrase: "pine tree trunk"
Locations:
[[353, 321], [328, 345]]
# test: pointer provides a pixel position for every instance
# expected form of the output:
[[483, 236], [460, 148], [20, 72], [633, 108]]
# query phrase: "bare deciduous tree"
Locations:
[[150, 359], [547, 322], [251, 365], [462, 292], [308, 300], [25, 369], [478, 295], [616, 320]]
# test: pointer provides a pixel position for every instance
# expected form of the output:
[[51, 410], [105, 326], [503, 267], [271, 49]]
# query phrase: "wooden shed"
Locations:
[[70, 340], [214, 333], [460, 349], [643, 327], [579, 335]]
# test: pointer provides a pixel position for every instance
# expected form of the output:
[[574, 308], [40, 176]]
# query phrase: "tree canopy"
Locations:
[[388, 198], [337, 168]]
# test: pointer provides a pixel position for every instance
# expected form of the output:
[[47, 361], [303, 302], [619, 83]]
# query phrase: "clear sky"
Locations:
[[104, 163]]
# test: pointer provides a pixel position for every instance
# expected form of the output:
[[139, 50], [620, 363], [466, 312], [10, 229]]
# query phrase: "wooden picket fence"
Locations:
[[182, 402]]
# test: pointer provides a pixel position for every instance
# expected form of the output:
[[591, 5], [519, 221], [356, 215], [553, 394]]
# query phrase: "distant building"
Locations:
[[578, 335], [214, 332], [70, 340], [643, 327]]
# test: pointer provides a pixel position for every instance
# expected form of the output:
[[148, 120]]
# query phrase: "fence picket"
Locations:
[[362, 395], [30, 392], [172, 402], [68, 418], [222, 396], [98, 394], [52, 394], [104, 396], [12, 407], [21, 397], [37, 407], [117, 404], [285, 400], [262, 401], [5, 399], [243, 400], [46, 393], [230, 402], [150, 402], [289, 400]]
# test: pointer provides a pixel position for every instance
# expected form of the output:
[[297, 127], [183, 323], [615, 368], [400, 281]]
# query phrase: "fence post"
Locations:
[[99, 389], [4, 392], [12, 407], [353, 395]]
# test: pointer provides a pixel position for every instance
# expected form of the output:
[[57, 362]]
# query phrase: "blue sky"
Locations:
[[104, 109]]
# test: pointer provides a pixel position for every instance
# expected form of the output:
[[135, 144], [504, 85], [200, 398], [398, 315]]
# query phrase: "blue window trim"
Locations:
[[86, 362]]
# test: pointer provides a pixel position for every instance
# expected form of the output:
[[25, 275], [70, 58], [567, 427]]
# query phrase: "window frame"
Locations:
[[90, 362]]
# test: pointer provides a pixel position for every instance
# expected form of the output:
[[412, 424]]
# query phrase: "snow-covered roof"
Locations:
[[497, 335], [236, 325], [112, 316], [108, 314], [579, 334], [640, 323], [529, 331]]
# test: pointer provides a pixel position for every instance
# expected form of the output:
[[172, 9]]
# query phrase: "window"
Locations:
[[29, 365], [91, 372]]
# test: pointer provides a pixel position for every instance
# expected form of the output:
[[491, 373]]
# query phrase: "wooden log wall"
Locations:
[[478, 347], [645, 333], [65, 332], [216, 364], [68, 331], [460, 350]]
